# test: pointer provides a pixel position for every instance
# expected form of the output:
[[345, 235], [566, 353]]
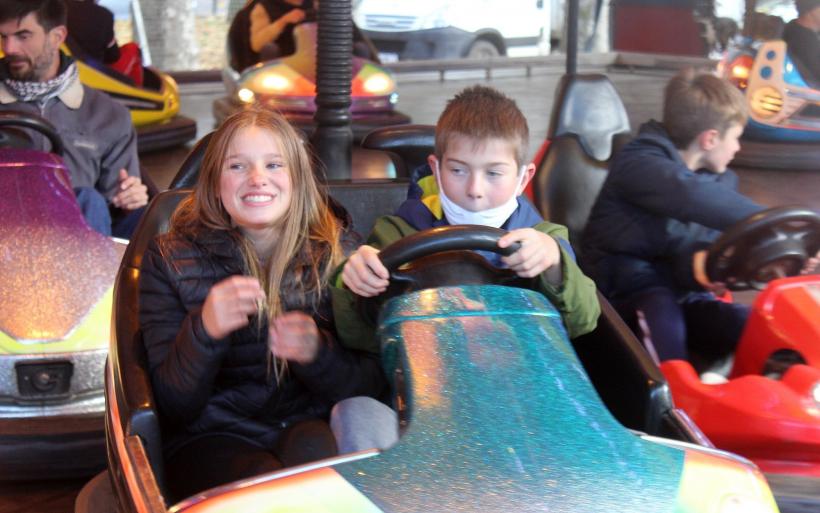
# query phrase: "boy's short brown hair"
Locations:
[[697, 102], [480, 113]]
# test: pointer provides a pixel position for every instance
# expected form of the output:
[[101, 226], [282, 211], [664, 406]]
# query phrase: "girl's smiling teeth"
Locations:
[[257, 197]]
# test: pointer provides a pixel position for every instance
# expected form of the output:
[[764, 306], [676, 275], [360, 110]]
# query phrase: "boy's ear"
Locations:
[[432, 161], [708, 139], [529, 173]]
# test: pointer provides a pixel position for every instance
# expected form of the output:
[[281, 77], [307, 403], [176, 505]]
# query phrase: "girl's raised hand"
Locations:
[[294, 336], [229, 305]]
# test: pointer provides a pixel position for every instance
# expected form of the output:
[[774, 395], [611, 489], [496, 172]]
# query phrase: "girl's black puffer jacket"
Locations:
[[203, 385]]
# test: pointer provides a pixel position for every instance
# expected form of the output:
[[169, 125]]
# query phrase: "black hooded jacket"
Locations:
[[653, 213]]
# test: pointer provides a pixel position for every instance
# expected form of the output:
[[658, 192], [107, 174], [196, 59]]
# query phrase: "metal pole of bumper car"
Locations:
[[333, 136], [572, 37]]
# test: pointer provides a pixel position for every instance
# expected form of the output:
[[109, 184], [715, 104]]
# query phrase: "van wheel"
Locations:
[[482, 49]]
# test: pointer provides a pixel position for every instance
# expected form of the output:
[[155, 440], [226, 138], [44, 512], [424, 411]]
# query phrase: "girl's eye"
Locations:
[[274, 165], [236, 166]]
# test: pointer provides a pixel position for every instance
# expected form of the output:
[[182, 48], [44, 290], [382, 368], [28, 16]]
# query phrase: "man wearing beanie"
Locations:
[[801, 36]]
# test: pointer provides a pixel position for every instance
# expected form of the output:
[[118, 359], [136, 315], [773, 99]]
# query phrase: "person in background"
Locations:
[[802, 36], [668, 195], [264, 30], [100, 141], [91, 26]]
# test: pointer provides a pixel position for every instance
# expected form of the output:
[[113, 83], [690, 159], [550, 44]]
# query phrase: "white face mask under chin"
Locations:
[[494, 217]]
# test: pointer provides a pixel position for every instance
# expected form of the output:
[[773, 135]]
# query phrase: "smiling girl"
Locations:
[[235, 314]]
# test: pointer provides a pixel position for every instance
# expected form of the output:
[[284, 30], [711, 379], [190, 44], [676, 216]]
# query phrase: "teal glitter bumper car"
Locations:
[[498, 412]]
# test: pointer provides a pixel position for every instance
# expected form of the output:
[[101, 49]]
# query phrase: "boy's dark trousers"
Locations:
[[698, 323]]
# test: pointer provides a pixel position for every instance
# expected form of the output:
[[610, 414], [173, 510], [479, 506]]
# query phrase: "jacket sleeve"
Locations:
[[183, 359], [339, 373], [575, 297], [354, 330], [121, 154], [651, 180]]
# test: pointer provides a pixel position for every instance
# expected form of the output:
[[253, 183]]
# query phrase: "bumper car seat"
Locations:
[[407, 145], [589, 123]]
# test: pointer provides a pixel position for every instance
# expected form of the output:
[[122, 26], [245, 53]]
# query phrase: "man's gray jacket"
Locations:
[[97, 132]]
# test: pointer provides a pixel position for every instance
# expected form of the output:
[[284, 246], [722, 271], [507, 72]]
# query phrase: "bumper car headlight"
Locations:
[[766, 102], [378, 83], [815, 393], [738, 70], [275, 83], [245, 95]]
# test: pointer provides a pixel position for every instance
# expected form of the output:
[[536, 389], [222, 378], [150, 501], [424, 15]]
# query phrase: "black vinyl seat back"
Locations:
[[188, 172], [589, 124], [627, 379], [127, 356], [408, 145]]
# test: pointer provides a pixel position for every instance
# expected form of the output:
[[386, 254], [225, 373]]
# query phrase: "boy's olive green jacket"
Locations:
[[575, 298]]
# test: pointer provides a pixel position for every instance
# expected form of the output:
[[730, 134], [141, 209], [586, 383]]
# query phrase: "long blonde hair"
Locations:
[[307, 250]]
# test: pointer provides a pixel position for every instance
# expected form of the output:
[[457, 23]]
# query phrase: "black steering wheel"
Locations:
[[770, 244], [442, 256], [19, 139]]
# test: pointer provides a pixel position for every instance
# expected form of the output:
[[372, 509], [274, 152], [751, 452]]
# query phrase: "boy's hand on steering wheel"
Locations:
[[538, 253], [812, 265], [294, 336], [364, 273], [699, 270], [229, 304]]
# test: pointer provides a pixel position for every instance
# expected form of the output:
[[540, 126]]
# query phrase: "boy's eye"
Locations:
[[494, 174], [457, 171]]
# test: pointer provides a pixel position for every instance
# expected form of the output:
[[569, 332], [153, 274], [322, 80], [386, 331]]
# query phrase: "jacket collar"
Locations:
[[222, 246], [72, 97]]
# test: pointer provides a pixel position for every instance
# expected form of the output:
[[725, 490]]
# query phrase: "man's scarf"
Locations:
[[40, 92]]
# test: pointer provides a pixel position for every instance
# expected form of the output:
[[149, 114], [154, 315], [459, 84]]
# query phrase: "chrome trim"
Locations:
[[802, 94], [84, 406], [693, 429], [677, 444], [143, 500]]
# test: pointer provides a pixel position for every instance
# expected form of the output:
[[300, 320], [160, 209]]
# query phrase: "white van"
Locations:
[[436, 29]]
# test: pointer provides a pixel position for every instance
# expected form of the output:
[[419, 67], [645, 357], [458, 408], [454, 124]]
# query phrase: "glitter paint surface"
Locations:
[[503, 416], [53, 268]]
